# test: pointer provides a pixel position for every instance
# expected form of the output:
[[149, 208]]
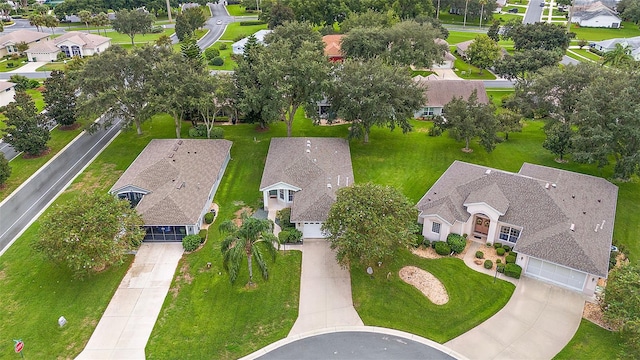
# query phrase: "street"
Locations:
[[534, 12]]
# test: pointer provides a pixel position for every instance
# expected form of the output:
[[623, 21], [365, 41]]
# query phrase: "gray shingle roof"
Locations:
[[327, 162], [545, 214], [586, 11], [179, 175], [440, 92], [17, 36]]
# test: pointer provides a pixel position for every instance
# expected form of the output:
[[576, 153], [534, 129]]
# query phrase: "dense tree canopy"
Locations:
[[5, 169], [483, 52], [622, 306], [60, 97], [539, 36], [521, 63], [132, 23], [368, 223], [26, 127]]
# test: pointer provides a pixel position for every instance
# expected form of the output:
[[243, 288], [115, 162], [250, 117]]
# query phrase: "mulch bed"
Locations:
[[43, 153], [70, 127]]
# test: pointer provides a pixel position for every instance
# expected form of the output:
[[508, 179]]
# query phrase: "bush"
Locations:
[[211, 52], [497, 245], [488, 264], [217, 61], [208, 217], [435, 131], [252, 22], [442, 248], [500, 251], [191, 242], [10, 65], [500, 268], [283, 218], [417, 240], [498, 261], [510, 259], [513, 270], [157, 29], [506, 248], [203, 235], [295, 235], [223, 46], [456, 242], [489, 244], [283, 236], [217, 133], [198, 131], [22, 82], [479, 254], [61, 56]]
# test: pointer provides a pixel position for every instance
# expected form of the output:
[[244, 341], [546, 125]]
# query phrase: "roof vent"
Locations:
[[572, 227], [181, 185], [602, 225], [329, 186], [175, 147], [179, 142], [546, 186], [597, 225], [554, 186], [308, 151], [487, 172], [308, 144], [170, 155]]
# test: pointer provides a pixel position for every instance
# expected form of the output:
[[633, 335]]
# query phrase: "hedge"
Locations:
[[252, 22], [191, 242], [479, 254], [203, 235], [442, 248], [500, 251], [456, 242], [208, 217], [513, 270], [510, 259]]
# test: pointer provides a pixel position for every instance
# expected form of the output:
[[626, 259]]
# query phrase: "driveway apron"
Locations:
[[125, 326], [537, 322], [325, 291]]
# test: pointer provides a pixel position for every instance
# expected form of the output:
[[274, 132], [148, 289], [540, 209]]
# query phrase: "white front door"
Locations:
[[312, 230], [556, 273]]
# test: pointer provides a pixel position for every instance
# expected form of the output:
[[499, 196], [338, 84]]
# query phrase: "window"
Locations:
[[291, 192], [435, 227], [509, 234], [281, 194]]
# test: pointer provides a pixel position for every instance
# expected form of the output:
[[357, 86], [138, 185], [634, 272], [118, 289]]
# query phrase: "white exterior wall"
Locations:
[[48, 57], [7, 96], [445, 229], [436, 110], [601, 22], [492, 214]]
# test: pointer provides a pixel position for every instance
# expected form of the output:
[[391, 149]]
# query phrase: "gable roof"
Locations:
[[179, 175], [5, 85], [463, 46], [332, 45], [586, 11], [545, 212], [89, 41], [328, 161], [439, 93], [18, 36]]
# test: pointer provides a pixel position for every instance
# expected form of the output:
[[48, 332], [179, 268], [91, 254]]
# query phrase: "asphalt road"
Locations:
[[355, 345], [8, 151], [215, 31], [534, 12], [19, 210]]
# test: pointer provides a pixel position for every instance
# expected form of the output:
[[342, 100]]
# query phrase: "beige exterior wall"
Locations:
[[6, 96]]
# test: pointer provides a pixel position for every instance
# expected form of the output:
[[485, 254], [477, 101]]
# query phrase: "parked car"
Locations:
[[542, 4], [513, 10]]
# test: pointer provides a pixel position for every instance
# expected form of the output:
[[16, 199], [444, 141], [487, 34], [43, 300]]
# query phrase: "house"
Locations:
[[439, 93], [594, 14], [9, 41], [304, 174], [7, 92], [448, 59], [461, 48], [560, 223], [610, 44], [332, 47], [238, 46], [72, 43], [172, 183]]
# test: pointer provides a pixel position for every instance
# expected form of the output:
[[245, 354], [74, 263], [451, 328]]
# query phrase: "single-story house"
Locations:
[[560, 223], [9, 41], [7, 92], [610, 44], [238, 46], [172, 184], [332, 47], [304, 174], [439, 93], [72, 43], [448, 59], [595, 14], [461, 48]]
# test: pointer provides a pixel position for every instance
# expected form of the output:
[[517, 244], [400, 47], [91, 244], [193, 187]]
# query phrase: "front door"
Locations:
[[481, 225]]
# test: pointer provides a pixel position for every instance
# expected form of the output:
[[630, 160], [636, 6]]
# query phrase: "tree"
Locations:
[[26, 127], [494, 31], [97, 232], [195, 17], [277, 15], [410, 9], [251, 239], [371, 93], [85, 17], [558, 139], [217, 94], [629, 10], [508, 122], [164, 41], [22, 47], [36, 20], [582, 43], [60, 97], [619, 57], [6, 9], [482, 4], [483, 52], [622, 306], [5, 169], [251, 94], [132, 22], [368, 223], [539, 36], [191, 51], [51, 22], [467, 119], [368, 19], [525, 62], [101, 19], [183, 29]]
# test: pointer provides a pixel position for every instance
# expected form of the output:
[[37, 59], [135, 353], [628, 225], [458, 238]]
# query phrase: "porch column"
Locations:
[[493, 227], [265, 199]]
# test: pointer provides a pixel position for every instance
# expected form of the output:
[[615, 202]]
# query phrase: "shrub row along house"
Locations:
[[560, 223]]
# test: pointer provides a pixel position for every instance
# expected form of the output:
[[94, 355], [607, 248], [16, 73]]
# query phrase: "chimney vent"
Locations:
[[572, 227]]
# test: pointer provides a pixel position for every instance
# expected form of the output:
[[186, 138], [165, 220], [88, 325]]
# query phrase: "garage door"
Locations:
[[312, 230], [556, 273]]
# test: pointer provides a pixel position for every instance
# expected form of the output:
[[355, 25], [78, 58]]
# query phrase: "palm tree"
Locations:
[[85, 17], [247, 240], [618, 57], [466, 6], [482, 4], [6, 8]]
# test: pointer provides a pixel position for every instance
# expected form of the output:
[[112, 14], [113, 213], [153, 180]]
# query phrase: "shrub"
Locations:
[[5, 169], [191, 242], [10, 65], [211, 52], [295, 235], [217, 61], [515, 254], [456, 242], [498, 261], [217, 133], [283, 218], [417, 240], [489, 244], [500, 268], [510, 259], [157, 29], [479, 254], [198, 131], [513, 270], [488, 264], [283, 236], [203, 235], [22, 82], [223, 46], [61, 56], [497, 245], [208, 217], [442, 248], [500, 251], [506, 248], [435, 131], [252, 22]]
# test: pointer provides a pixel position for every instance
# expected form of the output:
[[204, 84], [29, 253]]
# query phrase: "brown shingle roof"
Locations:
[[4, 85], [179, 175], [440, 92], [327, 162], [17, 36]]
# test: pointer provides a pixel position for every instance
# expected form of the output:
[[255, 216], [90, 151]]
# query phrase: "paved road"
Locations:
[[215, 31], [355, 345], [533, 13], [8, 151], [30, 75], [20, 209], [567, 60]]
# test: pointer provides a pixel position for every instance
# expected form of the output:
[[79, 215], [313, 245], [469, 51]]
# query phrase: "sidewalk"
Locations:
[[125, 326]]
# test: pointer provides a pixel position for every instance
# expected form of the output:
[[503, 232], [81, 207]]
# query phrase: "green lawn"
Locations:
[[229, 63], [456, 37], [591, 342], [238, 10], [470, 72], [507, 16], [587, 54], [4, 65], [628, 30], [52, 66], [117, 38], [235, 32]]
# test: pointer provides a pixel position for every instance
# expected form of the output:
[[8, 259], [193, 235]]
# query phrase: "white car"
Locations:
[[219, 22]]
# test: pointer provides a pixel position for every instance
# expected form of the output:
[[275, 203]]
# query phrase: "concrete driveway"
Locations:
[[325, 291], [537, 322]]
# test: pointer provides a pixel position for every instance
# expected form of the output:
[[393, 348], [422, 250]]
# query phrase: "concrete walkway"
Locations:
[[325, 291], [125, 326], [29, 67], [537, 322]]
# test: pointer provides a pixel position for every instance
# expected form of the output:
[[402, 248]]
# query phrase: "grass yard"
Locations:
[[52, 66], [588, 54], [4, 65], [593, 340], [118, 38], [507, 16], [238, 10], [470, 72], [229, 63], [628, 30], [235, 32]]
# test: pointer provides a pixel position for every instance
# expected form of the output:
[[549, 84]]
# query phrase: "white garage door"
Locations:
[[312, 230], [556, 273]]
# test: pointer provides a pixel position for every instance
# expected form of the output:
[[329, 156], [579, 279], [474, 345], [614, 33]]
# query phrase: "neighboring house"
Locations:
[[461, 48], [595, 14], [304, 174], [610, 44], [439, 93], [560, 223], [172, 184], [238, 46], [72, 43], [332, 47], [9, 41], [448, 59], [7, 92]]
